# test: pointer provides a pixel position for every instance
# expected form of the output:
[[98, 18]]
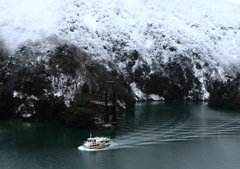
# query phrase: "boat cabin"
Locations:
[[91, 140], [97, 142]]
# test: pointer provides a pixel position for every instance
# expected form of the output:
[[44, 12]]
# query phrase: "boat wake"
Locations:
[[164, 126], [184, 125], [82, 148]]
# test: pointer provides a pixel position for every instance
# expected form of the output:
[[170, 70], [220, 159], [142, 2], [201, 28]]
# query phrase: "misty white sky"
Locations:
[[235, 1]]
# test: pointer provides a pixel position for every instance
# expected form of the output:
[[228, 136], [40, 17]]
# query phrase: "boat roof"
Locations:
[[98, 138]]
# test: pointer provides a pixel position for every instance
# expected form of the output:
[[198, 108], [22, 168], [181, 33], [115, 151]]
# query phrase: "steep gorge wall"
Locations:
[[158, 50]]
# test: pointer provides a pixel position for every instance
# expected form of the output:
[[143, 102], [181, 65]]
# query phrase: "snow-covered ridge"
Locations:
[[203, 36], [212, 26]]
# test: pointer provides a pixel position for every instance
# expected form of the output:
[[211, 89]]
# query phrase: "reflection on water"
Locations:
[[6, 126], [153, 135]]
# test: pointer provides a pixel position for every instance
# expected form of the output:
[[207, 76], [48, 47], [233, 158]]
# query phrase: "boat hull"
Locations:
[[99, 147]]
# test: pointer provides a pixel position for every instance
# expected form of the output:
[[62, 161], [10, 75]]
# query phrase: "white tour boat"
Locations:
[[97, 142]]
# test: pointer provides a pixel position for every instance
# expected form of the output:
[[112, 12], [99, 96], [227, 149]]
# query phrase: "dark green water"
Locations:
[[155, 135]]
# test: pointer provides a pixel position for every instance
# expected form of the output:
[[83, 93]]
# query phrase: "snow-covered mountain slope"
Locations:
[[161, 49]]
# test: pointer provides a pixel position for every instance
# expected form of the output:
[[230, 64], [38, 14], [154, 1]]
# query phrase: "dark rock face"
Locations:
[[173, 82], [3, 52], [66, 70], [227, 95], [181, 77], [6, 103], [43, 83]]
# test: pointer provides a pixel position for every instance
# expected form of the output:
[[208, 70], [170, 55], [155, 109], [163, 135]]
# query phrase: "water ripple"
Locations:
[[176, 123]]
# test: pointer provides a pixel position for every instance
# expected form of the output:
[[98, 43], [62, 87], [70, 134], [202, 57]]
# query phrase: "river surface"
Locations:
[[154, 135]]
